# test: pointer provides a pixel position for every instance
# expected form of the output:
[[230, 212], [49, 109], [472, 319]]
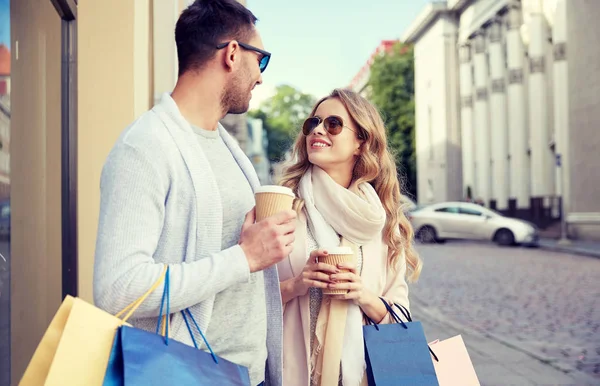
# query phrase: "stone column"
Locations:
[[482, 121], [542, 162], [164, 51], [561, 104], [498, 118], [518, 132], [466, 119]]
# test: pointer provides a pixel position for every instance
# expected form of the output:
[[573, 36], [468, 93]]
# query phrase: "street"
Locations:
[[4, 311], [527, 316], [534, 313]]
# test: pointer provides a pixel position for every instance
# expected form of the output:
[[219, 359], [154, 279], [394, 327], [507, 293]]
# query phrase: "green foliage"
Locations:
[[392, 90], [282, 116]]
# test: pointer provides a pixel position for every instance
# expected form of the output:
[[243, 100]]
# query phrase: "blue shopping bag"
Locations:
[[398, 354], [140, 357]]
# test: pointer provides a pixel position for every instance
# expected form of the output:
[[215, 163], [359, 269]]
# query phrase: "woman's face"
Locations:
[[333, 153]]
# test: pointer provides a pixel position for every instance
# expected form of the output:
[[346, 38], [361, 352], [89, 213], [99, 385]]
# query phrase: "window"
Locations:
[[449, 209], [470, 211]]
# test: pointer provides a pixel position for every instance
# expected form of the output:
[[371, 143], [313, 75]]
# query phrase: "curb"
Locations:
[[571, 250], [432, 313]]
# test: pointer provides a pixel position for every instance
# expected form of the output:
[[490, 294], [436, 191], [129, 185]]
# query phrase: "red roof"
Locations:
[[4, 60], [385, 45]]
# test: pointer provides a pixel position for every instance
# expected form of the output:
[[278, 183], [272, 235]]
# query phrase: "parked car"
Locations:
[[407, 204], [463, 220], [5, 219]]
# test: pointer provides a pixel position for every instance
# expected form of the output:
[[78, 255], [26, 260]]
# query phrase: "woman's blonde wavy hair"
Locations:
[[376, 166]]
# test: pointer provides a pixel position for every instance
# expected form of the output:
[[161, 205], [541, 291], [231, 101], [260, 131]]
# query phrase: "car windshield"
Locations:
[[493, 212]]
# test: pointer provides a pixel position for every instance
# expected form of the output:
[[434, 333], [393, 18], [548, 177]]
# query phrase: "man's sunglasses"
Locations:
[[264, 61], [333, 124]]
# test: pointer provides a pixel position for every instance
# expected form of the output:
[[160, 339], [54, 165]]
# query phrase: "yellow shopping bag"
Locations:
[[75, 348]]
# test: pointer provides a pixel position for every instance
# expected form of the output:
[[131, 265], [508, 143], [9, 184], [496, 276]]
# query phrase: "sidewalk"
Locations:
[[576, 247], [496, 361]]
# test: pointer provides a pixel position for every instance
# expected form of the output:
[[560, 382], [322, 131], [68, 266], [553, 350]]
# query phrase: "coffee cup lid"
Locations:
[[275, 189], [340, 251]]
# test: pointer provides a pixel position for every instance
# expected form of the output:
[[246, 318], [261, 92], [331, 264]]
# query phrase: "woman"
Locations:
[[349, 195]]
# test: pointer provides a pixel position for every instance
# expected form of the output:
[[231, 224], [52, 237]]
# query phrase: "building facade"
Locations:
[[81, 71], [500, 88], [256, 150], [4, 122]]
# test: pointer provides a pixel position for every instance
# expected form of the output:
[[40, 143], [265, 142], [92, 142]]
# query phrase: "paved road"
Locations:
[[545, 304], [4, 312]]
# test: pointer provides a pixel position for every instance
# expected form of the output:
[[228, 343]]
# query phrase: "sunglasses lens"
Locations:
[[309, 125], [264, 62], [333, 125]]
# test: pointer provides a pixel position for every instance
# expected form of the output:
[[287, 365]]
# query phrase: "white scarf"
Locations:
[[358, 216]]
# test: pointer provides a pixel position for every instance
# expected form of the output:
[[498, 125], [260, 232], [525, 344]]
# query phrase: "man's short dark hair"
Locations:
[[206, 23]]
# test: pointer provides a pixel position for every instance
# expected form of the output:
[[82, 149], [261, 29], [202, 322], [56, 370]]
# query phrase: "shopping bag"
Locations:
[[453, 365], [397, 353], [76, 346], [153, 359]]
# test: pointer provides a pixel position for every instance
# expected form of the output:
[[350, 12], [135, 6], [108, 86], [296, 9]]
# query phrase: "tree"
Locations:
[[392, 89], [282, 117]]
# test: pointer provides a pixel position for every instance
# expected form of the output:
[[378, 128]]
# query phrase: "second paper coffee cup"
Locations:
[[271, 199], [336, 256]]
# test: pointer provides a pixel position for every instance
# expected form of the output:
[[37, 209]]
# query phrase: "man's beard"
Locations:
[[236, 96]]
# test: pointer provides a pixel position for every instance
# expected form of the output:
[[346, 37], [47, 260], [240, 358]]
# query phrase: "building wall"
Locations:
[[583, 55], [36, 175], [112, 93], [116, 72], [4, 85], [4, 149], [477, 14], [454, 146], [437, 138], [560, 103]]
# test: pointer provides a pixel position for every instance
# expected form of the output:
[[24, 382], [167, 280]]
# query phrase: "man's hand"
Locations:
[[268, 241]]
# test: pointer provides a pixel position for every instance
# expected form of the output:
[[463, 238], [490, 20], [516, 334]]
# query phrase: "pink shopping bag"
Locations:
[[454, 366]]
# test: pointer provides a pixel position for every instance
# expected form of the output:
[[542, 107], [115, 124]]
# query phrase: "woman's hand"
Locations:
[[314, 274], [369, 303], [350, 280]]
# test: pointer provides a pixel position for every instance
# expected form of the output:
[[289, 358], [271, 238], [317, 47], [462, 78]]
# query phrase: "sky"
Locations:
[[318, 45], [5, 22]]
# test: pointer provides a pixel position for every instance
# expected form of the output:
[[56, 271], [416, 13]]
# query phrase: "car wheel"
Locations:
[[504, 237], [427, 235]]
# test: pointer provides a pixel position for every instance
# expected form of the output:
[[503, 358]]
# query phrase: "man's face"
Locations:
[[237, 95]]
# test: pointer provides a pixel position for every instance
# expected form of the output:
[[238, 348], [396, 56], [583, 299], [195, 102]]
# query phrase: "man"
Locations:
[[175, 190]]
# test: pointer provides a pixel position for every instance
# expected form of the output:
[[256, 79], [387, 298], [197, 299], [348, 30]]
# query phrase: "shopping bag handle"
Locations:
[[189, 313], [131, 308], [164, 319], [394, 314], [408, 317], [404, 311], [391, 311]]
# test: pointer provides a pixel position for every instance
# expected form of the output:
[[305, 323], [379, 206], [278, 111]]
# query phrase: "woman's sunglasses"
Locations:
[[333, 124]]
